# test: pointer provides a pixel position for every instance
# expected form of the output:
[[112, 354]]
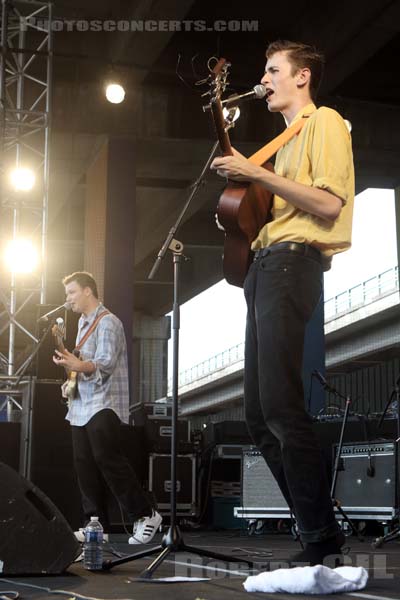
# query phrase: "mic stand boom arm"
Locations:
[[393, 534], [176, 246]]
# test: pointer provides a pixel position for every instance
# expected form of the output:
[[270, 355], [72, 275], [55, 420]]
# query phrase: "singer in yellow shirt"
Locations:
[[313, 187]]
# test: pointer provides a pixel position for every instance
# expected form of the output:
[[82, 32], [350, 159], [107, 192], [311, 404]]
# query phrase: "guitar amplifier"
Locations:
[[261, 496], [367, 484]]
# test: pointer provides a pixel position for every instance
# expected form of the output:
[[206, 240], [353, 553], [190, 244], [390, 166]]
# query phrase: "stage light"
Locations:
[[21, 256], [115, 93], [22, 179]]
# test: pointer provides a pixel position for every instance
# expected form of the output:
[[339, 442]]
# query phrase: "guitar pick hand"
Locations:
[[236, 167], [68, 360]]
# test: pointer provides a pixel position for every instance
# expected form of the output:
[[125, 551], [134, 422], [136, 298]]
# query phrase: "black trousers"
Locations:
[[100, 462], [282, 290]]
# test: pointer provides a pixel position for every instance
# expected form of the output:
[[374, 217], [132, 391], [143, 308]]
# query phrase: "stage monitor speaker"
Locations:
[[35, 539]]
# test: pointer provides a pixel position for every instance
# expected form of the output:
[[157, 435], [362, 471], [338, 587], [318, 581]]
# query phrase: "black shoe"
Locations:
[[326, 552]]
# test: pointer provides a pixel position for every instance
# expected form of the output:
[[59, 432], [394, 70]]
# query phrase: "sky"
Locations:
[[214, 320]]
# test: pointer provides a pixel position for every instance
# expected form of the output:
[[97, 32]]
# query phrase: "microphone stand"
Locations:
[[173, 540], [395, 394], [335, 501]]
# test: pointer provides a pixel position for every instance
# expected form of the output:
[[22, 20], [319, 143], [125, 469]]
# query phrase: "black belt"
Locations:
[[303, 249]]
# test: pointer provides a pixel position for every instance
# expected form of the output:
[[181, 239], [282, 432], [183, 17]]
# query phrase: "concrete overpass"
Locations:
[[362, 329]]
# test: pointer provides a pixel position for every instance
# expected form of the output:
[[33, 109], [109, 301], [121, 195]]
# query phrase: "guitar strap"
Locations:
[[89, 331], [265, 153]]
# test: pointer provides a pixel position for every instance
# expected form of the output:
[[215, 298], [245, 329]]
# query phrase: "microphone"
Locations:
[[320, 378], [257, 93], [370, 468], [66, 305]]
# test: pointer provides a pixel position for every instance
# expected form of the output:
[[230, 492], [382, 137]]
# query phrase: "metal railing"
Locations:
[[360, 295], [364, 293], [211, 365]]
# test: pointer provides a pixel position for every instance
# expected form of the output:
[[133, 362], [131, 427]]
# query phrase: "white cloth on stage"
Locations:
[[308, 580]]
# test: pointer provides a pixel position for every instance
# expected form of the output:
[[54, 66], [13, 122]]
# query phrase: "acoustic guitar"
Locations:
[[243, 208], [71, 384]]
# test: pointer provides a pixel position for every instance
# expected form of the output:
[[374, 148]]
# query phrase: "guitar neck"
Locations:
[[220, 127], [59, 343]]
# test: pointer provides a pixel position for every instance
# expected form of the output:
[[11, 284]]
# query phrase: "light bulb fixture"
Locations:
[[115, 93], [22, 179], [20, 256]]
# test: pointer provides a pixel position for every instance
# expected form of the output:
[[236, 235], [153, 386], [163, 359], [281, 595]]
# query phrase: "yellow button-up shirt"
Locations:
[[319, 156]]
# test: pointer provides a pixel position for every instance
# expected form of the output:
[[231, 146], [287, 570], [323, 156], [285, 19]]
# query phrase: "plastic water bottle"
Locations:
[[93, 546]]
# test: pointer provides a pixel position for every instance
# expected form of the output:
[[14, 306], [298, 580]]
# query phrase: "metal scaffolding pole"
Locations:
[[25, 121]]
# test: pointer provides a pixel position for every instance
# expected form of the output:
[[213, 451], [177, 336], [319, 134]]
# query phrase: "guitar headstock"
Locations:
[[59, 332], [217, 80]]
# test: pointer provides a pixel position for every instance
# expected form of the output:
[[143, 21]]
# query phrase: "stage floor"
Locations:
[[225, 579]]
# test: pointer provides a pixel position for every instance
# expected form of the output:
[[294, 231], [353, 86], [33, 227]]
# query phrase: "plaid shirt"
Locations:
[[108, 386]]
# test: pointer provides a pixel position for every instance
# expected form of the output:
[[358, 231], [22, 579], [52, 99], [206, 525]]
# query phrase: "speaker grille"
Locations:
[[35, 538], [259, 488]]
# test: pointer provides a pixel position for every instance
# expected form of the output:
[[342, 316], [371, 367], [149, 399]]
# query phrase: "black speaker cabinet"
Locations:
[[160, 482], [158, 431], [52, 467], [35, 539], [368, 480], [10, 434]]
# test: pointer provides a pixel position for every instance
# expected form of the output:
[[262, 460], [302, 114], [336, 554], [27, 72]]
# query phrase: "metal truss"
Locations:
[[25, 120]]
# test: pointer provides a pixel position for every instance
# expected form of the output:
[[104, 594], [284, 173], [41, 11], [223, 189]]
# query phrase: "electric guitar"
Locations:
[[71, 383], [243, 208]]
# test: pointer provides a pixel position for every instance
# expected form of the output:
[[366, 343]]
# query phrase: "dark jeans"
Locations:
[[100, 462], [282, 290]]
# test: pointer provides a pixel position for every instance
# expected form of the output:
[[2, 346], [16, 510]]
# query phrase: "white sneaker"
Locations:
[[144, 529], [80, 536], [79, 558]]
